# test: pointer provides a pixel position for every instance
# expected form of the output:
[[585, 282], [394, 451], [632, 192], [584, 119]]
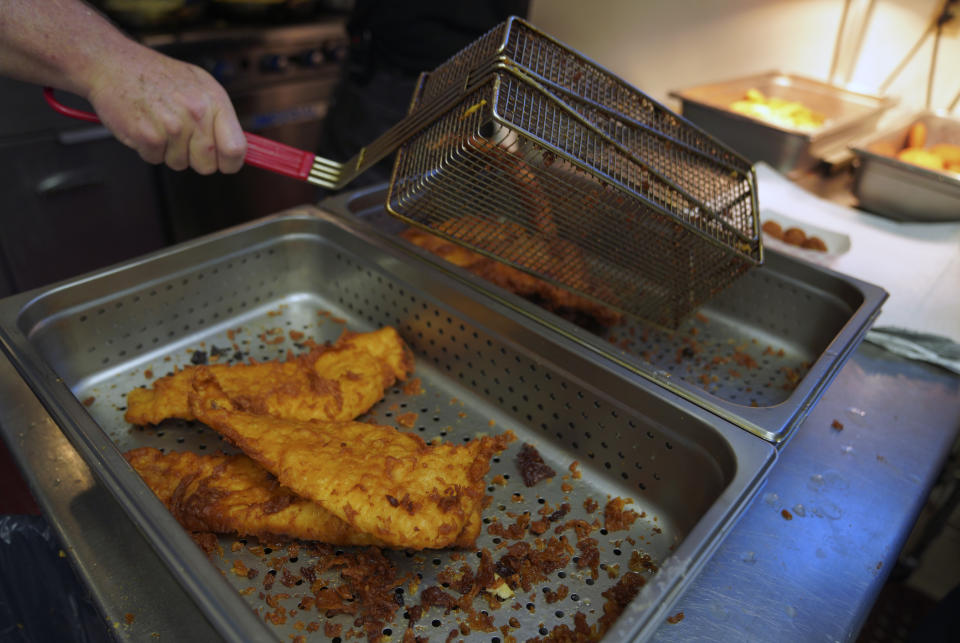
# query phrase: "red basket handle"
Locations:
[[262, 152]]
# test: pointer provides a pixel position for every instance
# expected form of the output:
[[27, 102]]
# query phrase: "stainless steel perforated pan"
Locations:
[[261, 289], [759, 354], [885, 185]]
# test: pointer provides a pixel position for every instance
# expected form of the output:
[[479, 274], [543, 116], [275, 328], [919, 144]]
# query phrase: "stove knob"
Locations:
[[274, 63], [335, 51], [310, 58]]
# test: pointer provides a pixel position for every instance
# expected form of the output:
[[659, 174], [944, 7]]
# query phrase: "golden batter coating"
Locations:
[[338, 382], [778, 111], [383, 482], [561, 301], [232, 494]]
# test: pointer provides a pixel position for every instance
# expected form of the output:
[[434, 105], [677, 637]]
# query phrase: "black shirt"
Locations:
[[416, 36]]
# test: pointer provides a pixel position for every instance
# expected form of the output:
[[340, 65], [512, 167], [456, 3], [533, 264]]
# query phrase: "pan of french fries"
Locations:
[[788, 121]]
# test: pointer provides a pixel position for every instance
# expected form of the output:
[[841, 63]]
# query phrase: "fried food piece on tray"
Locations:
[[383, 482], [949, 152], [561, 301], [232, 494], [778, 111], [921, 157], [917, 137], [338, 382]]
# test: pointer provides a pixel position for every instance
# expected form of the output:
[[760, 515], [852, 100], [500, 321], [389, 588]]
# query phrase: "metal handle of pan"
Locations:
[[262, 152]]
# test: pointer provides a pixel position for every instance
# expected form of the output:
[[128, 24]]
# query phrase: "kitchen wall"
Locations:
[[662, 45]]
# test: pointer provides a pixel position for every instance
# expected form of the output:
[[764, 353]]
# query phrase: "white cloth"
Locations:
[[918, 264]]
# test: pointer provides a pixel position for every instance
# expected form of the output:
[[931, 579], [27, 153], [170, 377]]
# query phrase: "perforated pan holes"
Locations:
[[539, 400], [369, 295], [156, 315], [769, 303], [172, 435], [620, 446], [737, 364]]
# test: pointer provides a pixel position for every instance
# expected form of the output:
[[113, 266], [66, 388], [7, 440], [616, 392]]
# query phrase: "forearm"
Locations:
[[61, 43]]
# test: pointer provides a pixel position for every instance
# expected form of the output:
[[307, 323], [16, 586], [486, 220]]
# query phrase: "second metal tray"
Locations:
[[849, 115], [759, 354], [892, 188]]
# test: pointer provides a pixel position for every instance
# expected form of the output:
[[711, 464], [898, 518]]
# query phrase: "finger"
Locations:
[[177, 155], [231, 144], [203, 149], [177, 152], [176, 126], [203, 155]]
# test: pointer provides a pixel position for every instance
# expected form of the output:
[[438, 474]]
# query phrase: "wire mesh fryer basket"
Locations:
[[664, 141], [518, 44], [569, 190]]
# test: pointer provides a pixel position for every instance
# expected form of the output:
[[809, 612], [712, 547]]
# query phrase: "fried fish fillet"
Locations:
[[232, 494], [338, 382], [383, 482], [561, 301]]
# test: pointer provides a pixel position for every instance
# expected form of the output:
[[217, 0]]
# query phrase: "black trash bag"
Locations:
[[41, 598]]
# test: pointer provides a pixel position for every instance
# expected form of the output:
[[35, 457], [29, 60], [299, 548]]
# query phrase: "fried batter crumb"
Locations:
[[532, 467], [272, 336], [589, 556], [618, 597], [208, 542], [240, 569], [413, 386], [407, 420], [641, 562], [332, 629], [561, 593], [615, 517]]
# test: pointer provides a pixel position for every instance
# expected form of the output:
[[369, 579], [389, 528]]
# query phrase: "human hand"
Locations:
[[167, 110]]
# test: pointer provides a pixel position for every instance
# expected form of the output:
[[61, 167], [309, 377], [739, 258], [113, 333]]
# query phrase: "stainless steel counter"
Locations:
[[852, 496]]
